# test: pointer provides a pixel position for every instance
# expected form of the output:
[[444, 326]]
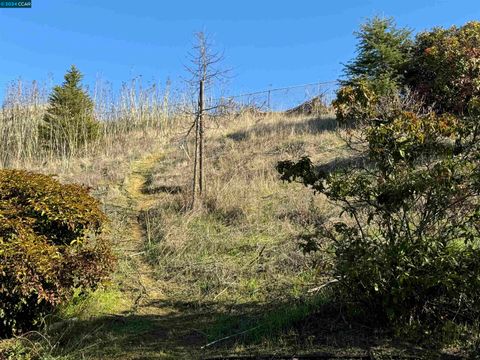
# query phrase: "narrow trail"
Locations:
[[134, 188], [152, 326]]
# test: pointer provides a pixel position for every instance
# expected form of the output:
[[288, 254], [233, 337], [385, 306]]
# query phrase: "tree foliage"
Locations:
[[445, 67], [383, 54], [440, 66], [50, 244], [69, 122], [356, 103], [407, 246]]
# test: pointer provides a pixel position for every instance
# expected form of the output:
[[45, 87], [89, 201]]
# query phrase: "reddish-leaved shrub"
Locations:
[[50, 244]]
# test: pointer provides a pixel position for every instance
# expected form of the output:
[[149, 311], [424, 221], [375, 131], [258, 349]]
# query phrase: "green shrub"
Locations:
[[407, 248], [445, 67], [441, 67], [69, 123], [50, 244], [355, 103]]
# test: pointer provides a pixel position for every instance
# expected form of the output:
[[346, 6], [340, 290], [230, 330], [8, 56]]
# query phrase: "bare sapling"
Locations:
[[205, 72]]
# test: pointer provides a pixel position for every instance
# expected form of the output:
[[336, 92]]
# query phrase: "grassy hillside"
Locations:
[[229, 278], [241, 247]]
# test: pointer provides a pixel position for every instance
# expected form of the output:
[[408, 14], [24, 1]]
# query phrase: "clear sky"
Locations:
[[266, 42]]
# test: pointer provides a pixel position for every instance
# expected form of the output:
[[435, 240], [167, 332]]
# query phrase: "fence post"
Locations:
[[269, 97]]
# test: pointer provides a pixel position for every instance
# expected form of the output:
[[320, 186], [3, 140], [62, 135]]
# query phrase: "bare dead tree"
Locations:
[[205, 72]]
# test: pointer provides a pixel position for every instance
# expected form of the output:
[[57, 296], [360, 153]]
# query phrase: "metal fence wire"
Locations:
[[291, 98]]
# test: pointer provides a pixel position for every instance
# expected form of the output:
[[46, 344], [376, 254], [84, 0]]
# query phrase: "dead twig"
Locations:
[[318, 288], [229, 337]]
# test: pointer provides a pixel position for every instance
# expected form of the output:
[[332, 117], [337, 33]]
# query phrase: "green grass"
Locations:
[[103, 301], [268, 326]]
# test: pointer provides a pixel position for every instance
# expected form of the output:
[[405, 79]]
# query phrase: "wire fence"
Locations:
[[282, 99], [154, 104], [285, 98]]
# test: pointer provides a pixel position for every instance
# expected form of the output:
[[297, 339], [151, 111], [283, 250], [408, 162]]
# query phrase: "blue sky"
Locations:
[[266, 43]]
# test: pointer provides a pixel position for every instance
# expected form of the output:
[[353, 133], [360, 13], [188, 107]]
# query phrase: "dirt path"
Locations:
[[134, 187], [154, 327]]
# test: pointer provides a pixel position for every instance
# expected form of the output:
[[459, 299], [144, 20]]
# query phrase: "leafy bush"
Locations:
[[442, 67], [407, 248], [50, 244], [69, 122], [355, 103], [445, 67]]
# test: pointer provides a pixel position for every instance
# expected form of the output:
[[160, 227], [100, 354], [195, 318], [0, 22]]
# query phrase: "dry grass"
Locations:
[[242, 246], [136, 116]]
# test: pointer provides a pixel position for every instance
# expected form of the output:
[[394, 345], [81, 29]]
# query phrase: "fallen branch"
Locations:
[[318, 288], [228, 337]]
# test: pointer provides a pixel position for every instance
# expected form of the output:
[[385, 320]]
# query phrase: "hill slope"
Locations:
[[227, 279]]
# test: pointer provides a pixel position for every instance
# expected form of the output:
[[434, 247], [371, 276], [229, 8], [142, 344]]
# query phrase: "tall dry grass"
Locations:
[[137, 113], [242, 246]]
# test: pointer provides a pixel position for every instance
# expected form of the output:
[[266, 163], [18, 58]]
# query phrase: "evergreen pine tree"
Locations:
[[383, 52], [377, 73], [69, 123]]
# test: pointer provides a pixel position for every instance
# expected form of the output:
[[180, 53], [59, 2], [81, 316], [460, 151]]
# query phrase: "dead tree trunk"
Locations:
[[198, 172], [201, 148], [195, 163], [204, 73]]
